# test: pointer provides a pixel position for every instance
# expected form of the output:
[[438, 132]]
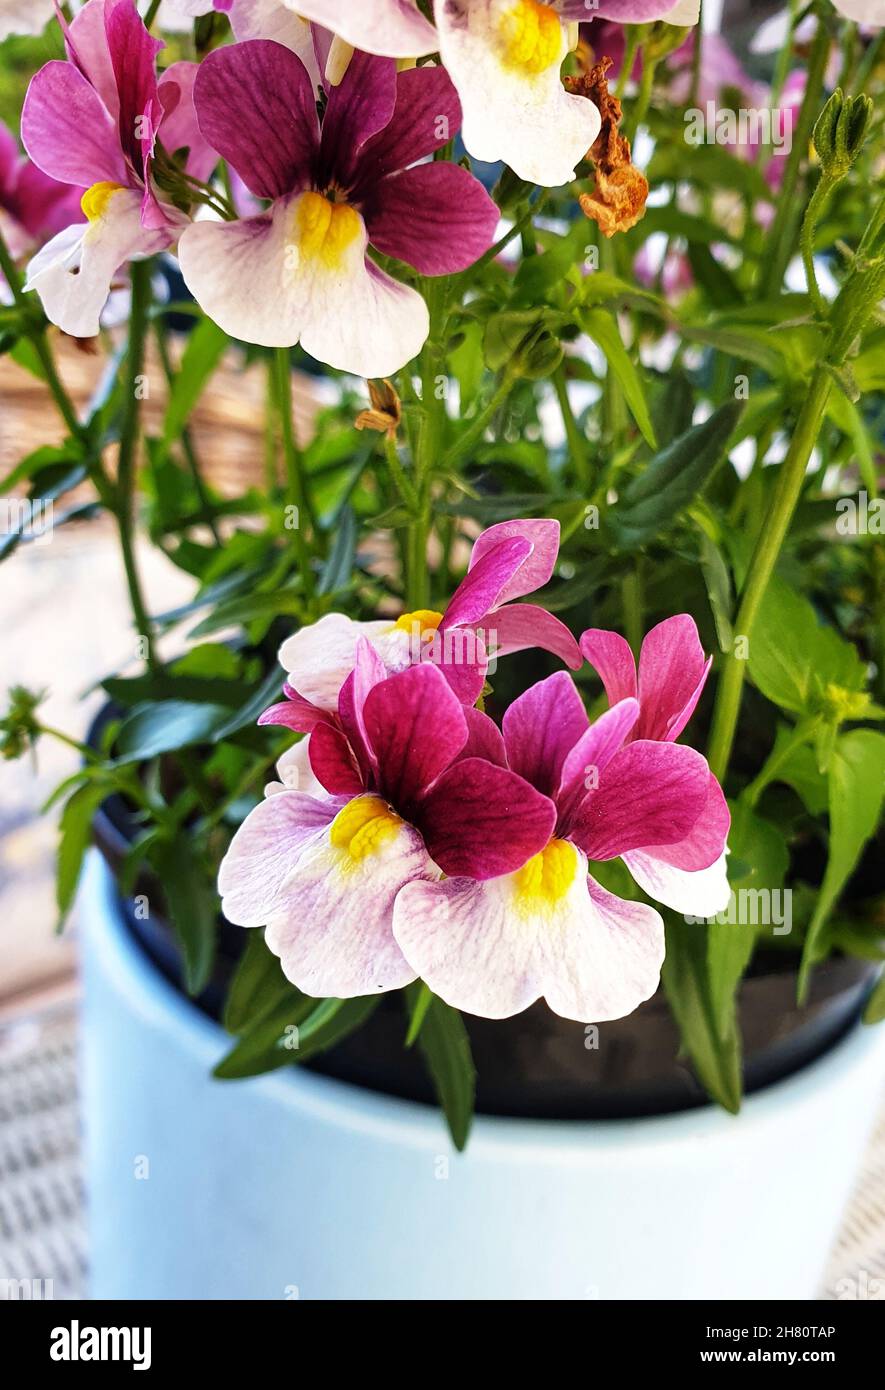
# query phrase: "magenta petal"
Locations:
[[358, 108], [67, 130], [706, 840], [517, 626], [426, 115], [480, 591], [484, 739], [649, 794], [591, 755], [133, 53], [610, 656], [541, 728], [483, 821], [255, 106], [672, 674], [436, 217], [368, 671], [296, 713], [536, 571], [333, 763], [416, 727]]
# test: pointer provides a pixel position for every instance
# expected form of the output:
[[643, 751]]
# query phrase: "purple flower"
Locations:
[[299, 272], [407, 797]]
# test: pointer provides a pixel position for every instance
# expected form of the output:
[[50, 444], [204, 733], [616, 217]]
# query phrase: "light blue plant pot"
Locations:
[[295, 1185]]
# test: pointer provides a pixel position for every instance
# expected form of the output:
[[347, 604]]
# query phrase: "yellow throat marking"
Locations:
[[546, 878], [424, 620], [324, 230], [362, 827], [531, 36], [95, 200]]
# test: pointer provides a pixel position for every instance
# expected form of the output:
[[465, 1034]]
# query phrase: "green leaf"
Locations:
[[717, 578], [445, 1046], [294, 1030], [257, 987], [204, 350], [875, 1009], [338, 569], [603, 329], [720, 285], [76, 833], [849, 420], [673, 477], [169, 686], [716, 1058], [192, 904], [421, 1001], [792, 659], [857, 783], [163, 727], [269, 690]]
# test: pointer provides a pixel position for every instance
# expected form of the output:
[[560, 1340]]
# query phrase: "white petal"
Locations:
[[334, 932], [526, 119], [72, 273], [492, 948], [696, 893], [258, 282], [255, 871], [319, 658], [296, 774]]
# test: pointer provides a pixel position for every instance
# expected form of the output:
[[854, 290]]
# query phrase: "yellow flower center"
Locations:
[[324, 230], [547, 877], [531, 36], [95, 200], [423, 619], [362, 827]]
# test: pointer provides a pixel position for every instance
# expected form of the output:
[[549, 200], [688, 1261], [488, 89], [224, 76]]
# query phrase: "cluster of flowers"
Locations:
[[326, 138], [411, 837]]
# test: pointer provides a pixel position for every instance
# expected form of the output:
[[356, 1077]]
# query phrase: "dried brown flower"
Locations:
[[617, 202], [386, 410]]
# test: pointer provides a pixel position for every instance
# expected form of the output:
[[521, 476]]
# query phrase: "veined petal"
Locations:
[[680, 12], [319, 658], [479, 592], [548, 932], [484, 739], [271, 19], [393, 28], [133, 53], [272, 143], [266, 848], [704, 843], [537, 568], [416, 728], [435, 217], [504, 57], [611, 658], [649, 794], [541, 728], [518, 626], [72, 274], [333, 763], [68, 131], [275, 280], [672, 674], [333, 932], [426, 115], [179, 128], [696, 893], [591, 755], [483, 821], [359, 107]]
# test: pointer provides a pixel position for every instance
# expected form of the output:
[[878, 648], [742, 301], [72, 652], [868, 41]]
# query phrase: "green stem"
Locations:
[[577, 442], [813, 213], [640, 107], [187, 444], [762, 564], [401, 482], [151, 13], [631, 48], [772, 767], [869, 60], [294, 465], [140, 279], [781, 238]]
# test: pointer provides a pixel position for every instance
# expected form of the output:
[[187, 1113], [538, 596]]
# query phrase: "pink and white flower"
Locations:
[[33, 207], [408, 797], [550, 929], [299, 272], [672, 674], [509, 560], [94, 121]]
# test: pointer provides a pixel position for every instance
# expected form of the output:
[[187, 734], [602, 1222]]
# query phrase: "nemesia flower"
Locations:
[[408, 796], [263, 19], [391, 28], [33, 207], [672, 674], [509, 560], [94, 121], [550, 929], [299, 272]]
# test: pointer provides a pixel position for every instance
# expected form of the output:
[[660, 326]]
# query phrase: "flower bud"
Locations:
[[840, 131]]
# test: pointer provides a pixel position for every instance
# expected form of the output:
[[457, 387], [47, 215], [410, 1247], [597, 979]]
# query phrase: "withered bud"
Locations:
[[386, 410], [617, 202]]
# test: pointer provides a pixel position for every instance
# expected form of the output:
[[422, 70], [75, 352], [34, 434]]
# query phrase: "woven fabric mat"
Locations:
[[42, 1228]]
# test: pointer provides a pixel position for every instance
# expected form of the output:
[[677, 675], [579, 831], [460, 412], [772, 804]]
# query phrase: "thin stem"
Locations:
[[577, 441], [140, 278], [294, 464], [151, 13], [640, 106], [631, 48], [813, 213], [765, 557], [187, 445], [781, 237], [869, 60], [397, 472]]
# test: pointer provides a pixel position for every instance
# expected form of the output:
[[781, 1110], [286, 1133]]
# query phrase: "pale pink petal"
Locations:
[[273, 19], [610, 656], [394, 28], [696, 893], [295, 773], [518, 626], [319, 658], [537, 568], [493, 948], [68, 131], [255, 871]]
